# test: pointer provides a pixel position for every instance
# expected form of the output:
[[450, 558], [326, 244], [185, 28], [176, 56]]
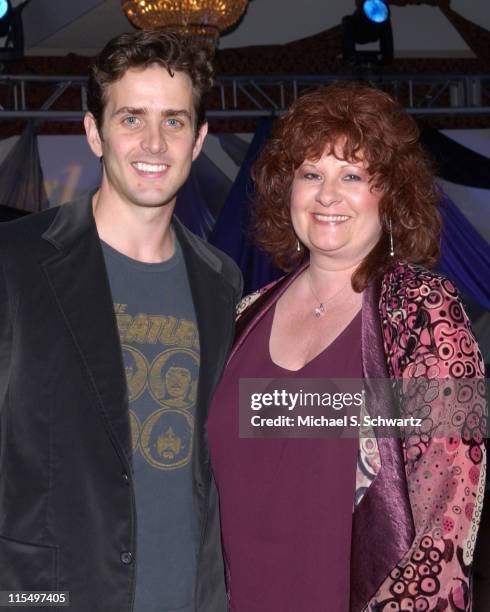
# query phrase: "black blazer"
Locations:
[[67, 510]]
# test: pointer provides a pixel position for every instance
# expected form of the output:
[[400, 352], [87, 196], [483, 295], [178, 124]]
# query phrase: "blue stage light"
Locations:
[[4, 7], [376, 10]]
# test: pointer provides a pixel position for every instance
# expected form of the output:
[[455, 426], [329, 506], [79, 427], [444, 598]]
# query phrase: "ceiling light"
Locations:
[[203, 18]]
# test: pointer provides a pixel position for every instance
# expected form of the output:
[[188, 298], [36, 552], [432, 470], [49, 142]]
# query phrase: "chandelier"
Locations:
[[201, 18]]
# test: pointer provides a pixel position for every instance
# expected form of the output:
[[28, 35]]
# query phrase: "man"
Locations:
[[105, 484]]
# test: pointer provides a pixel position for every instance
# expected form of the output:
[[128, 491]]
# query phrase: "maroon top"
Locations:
[[286, 503]]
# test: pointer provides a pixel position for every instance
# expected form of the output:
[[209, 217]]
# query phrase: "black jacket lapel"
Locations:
[[78, 278], [214, 306]]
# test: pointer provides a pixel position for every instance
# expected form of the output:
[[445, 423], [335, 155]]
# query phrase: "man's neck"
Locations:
[[142, 233]]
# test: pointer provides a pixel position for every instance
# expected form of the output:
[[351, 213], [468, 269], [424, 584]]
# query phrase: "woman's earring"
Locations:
[[298, 246], [392, 249]]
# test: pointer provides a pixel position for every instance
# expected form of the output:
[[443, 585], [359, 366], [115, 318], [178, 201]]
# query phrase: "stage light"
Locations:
[[369, 23], [376, 10], [11, 30], [5, 17], [4, 8]]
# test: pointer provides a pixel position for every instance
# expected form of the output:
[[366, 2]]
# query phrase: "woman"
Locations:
[[310, 525]]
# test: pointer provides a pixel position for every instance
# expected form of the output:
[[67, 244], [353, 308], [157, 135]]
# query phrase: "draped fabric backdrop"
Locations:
[[465, 255], [21, 176], [454, 162], [231, 233], [198, 202]]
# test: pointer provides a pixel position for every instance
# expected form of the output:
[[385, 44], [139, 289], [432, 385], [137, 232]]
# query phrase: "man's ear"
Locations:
[[93, 137], [201, 135]]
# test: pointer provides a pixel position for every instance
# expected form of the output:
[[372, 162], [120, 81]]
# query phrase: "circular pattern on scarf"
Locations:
[[417, 581]]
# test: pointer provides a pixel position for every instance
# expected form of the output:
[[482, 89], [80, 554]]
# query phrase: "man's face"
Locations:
[[147, 139]]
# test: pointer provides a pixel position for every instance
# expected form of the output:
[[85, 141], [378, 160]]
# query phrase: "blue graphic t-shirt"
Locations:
[[160, 344]]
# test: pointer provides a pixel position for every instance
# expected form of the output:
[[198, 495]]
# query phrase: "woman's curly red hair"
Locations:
[[358, 123]]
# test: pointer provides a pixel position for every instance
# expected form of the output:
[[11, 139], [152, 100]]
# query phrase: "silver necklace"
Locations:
[[320, 310]]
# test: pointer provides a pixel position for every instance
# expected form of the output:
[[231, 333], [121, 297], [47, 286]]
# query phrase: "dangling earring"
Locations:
[[392, 249], [298, 246]]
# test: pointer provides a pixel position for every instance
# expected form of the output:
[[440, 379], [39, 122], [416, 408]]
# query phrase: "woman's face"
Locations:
[[334, 210]]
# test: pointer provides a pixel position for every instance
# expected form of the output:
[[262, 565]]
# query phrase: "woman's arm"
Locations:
[[442, 384]]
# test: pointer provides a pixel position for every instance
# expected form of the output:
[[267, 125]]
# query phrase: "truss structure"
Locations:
[[64, 98]]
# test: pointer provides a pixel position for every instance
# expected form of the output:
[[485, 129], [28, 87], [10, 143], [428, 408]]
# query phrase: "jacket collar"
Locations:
[[75, 218], [72, 220]]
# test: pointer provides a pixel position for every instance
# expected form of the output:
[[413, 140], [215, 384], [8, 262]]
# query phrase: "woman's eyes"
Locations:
[[311, 176]]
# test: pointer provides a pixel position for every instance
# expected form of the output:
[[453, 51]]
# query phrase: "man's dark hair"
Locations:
[[145, 47]]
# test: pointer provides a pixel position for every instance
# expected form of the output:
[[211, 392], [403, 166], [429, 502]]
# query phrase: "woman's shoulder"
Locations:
[[249, 299], [424, 322], [416, 273], [408, 282], [414, 299]]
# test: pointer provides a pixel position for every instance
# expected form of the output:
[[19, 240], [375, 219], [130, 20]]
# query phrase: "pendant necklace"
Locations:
[[320, 310]]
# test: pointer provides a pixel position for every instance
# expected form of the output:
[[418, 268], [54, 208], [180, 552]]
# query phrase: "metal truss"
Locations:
[[64, 98], [421, 94]]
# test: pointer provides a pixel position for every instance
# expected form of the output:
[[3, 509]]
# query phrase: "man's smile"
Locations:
[[153, 170]]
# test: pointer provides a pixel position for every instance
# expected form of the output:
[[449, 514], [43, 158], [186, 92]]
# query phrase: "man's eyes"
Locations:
[[174, 123], [131, 120], [171, 122]]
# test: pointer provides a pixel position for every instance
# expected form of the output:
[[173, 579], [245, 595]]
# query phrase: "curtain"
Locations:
[[202, 196], [21, 175], [465, 255], [231, 232], [454, 162]]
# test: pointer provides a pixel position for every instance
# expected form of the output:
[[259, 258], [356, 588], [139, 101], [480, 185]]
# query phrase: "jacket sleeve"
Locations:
[[442, 384]]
